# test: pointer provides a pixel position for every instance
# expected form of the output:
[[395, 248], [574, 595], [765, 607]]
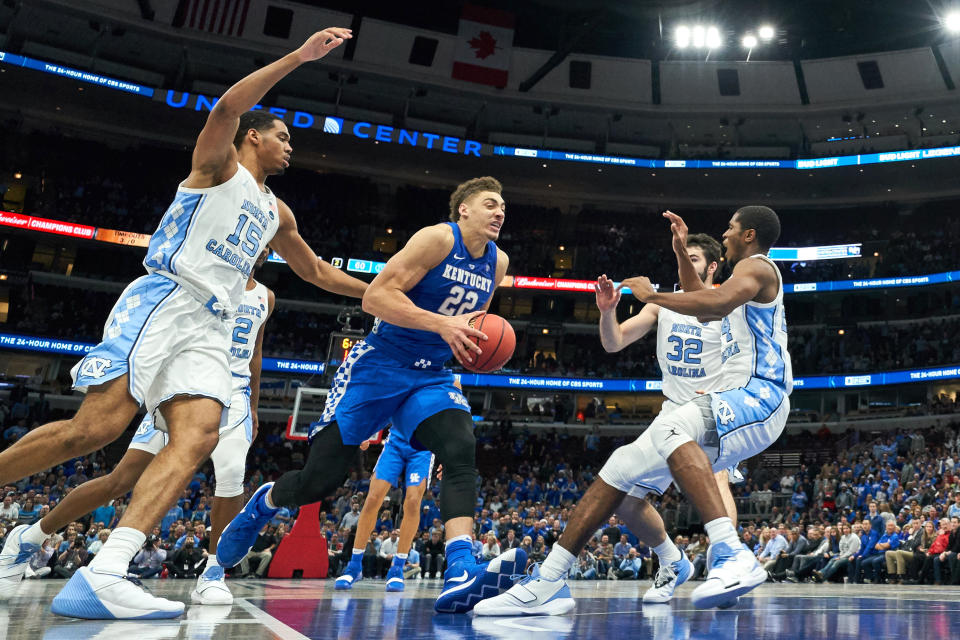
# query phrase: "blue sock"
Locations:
[[398, 561], [459, 550], [356, 557]]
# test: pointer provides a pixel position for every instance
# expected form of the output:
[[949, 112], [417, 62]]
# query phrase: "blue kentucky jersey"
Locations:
[[460, 284]]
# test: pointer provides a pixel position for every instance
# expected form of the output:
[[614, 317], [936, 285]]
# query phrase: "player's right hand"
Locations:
[[323, 42], [456, 331], [608, 296], [679, 229]]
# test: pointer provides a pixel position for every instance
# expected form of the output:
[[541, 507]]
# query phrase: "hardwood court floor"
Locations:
[[295, 610]]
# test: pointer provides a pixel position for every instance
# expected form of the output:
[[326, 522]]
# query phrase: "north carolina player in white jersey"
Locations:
[[229, 456], [166, 343], [704, 435], [688, 352]]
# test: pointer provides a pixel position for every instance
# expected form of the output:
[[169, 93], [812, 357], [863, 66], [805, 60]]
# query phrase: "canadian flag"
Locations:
[[483, 46]]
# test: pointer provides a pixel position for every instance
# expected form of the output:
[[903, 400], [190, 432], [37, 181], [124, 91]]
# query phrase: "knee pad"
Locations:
[[229, 464], [688, 423]]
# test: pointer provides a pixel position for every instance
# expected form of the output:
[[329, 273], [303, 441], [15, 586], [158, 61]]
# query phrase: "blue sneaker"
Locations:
[[467, 583], [13, 561], [238, 537], [532, 596], [669, 577], [104, 596], [395, 578], [353, 573], [733, 572]]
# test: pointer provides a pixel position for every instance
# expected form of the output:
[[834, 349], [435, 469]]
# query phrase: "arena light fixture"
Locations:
[[952, 21], [699, 37], [766, 32], [681, 36], [713, 38], [749, 41]]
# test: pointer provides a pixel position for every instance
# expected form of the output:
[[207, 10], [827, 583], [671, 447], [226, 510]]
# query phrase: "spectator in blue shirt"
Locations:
[[868, 548], [631, 567], [105, 514], [954, 510], [889, 541], [799, 498]]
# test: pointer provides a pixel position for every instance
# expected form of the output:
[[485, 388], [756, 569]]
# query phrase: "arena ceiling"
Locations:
[[805, 29]]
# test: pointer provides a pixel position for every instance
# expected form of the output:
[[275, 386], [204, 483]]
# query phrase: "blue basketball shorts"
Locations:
[[372, 389], [399, 463]]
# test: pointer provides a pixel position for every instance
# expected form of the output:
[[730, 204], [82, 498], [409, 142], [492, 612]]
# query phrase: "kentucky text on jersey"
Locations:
[[463, 276], [690, 329]]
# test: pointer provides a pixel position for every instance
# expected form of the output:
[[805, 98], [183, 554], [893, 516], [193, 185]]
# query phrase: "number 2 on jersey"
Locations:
[[457, 295], [242, 330]]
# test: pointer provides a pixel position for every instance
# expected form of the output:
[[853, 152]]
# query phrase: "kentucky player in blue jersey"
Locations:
[[399, 464], [424, 299], [166, 343]]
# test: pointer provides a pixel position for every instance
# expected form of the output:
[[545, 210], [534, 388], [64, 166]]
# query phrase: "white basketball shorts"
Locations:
[[730, 426], [167, 342]]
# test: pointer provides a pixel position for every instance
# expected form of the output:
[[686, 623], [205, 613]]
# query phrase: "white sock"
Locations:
[[402, 556], [117, 552], [211, 561], [667, 552], [721, 530], [557, 563], [35, 534]]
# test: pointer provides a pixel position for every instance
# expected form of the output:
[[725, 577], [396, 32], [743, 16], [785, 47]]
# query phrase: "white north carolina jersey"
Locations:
[[754, 342], [209, 239], [249, 316], [689, 355]]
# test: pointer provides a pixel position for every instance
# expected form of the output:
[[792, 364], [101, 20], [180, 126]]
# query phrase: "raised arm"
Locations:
[[305, 263], [386, 297], [689, 279], [748, 279], [614, 336], [256, 366], [214, 156]]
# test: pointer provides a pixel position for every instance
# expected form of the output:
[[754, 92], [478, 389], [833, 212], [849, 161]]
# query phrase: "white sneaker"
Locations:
[[733, 572], [13, 561], [212, 588], [104, 596], [532, 596], [668, 578]]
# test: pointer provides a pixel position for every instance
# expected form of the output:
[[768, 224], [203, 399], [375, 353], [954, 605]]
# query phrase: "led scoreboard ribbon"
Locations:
[[449, 144], [516, 381]]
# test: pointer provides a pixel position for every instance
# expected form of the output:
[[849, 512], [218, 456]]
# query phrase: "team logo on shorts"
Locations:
[[458, 399], [95, 367], [422, 364], [414, 478]]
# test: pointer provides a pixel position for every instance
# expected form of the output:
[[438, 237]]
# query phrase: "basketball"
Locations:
[[499, 346]]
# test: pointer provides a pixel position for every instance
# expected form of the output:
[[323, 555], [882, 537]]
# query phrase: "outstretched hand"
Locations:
[[640, 286], [679, 229], [608, 296], [323, 42]]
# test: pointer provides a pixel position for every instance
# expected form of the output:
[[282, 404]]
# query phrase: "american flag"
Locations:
[[223, 17]]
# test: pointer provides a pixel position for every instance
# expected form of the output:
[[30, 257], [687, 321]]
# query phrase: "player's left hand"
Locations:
[[439, 472], [679, 229], [640, 286]]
